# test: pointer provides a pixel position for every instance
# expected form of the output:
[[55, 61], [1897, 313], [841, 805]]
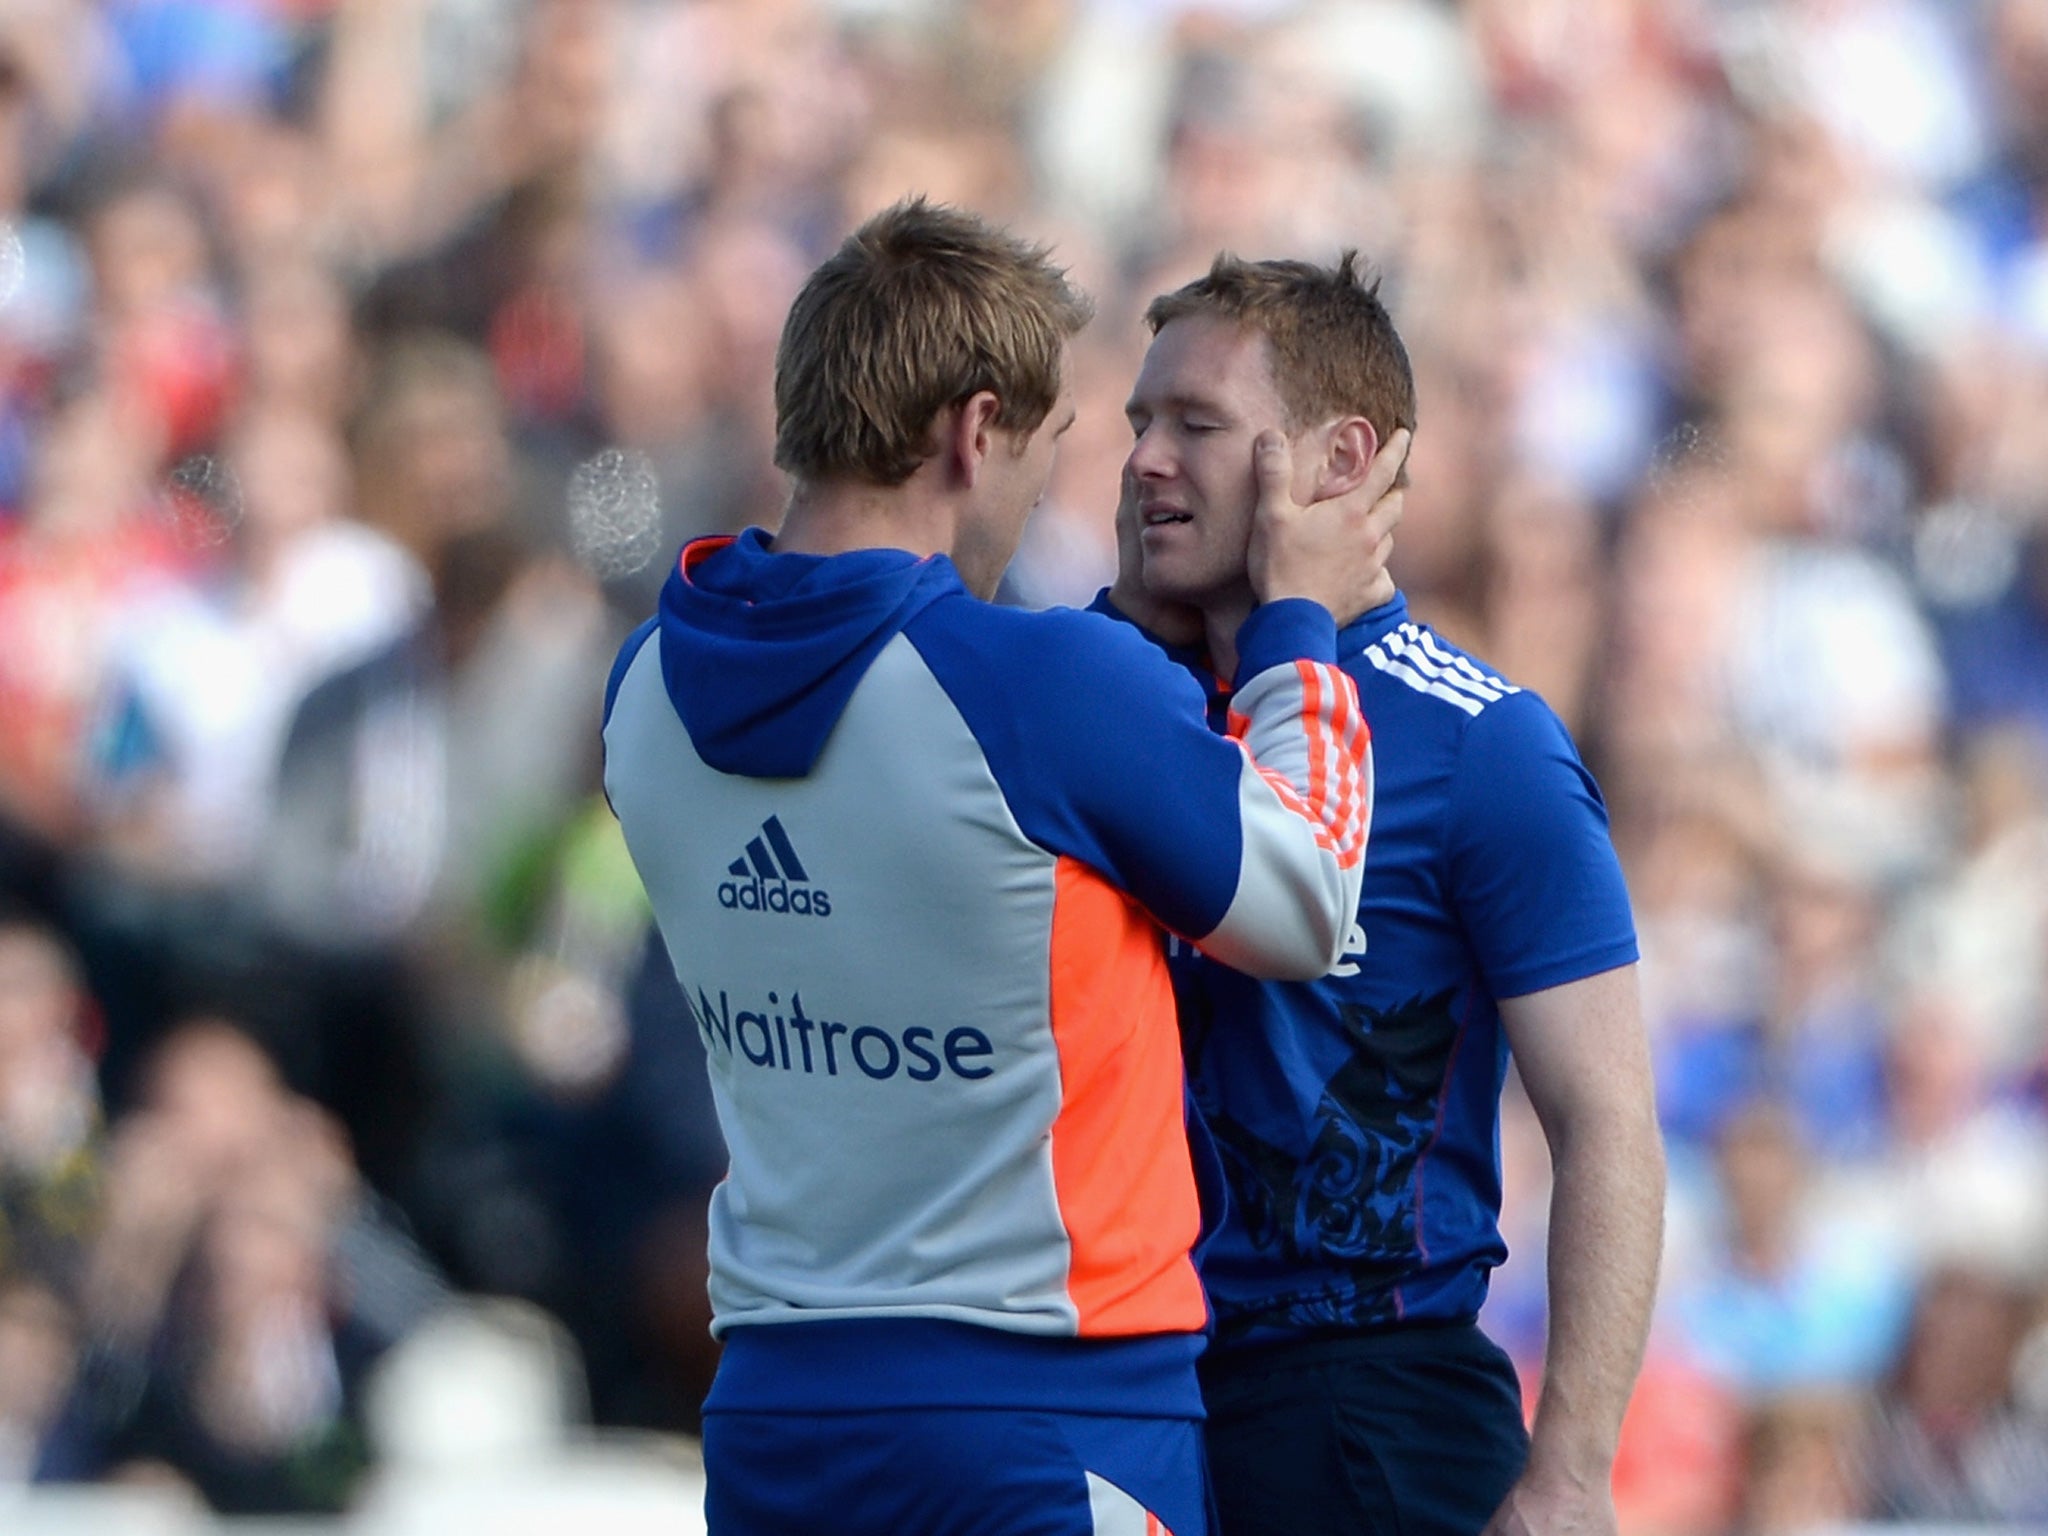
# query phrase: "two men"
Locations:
[[1348, 1387], [912, 855]]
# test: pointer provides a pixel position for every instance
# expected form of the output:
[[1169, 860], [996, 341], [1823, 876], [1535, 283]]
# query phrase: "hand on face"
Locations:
[[1175, 623], [1332, 551]]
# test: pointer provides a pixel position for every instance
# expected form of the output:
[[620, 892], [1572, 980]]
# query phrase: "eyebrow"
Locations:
[[1180, 400]]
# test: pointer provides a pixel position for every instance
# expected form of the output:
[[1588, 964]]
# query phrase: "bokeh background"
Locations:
[[362, 364]]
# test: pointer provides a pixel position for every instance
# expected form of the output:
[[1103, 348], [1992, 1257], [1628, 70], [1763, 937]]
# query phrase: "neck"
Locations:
[[1222, 619], [837, 517]]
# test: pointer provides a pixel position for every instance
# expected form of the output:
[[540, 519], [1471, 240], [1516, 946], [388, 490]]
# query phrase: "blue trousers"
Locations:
[[953, 1472], [1413, 1432]]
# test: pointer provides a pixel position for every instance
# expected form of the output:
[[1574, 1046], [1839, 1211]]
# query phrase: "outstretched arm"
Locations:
[[1255, 855], [1583, 1058]]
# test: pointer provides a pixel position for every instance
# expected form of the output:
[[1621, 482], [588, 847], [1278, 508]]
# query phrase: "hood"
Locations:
[[761, 651]]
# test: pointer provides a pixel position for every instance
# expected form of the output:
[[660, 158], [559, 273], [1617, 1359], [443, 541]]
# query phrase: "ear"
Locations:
[[1348, 457], [972, 436]]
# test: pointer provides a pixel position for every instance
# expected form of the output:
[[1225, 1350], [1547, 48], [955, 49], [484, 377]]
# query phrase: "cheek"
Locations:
[[1225, 473], [1230, 492]]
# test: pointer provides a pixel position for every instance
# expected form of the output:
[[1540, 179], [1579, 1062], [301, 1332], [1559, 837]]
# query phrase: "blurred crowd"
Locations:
[[363, 362]]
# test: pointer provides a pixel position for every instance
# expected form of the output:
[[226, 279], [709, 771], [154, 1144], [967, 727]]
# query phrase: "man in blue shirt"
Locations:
[[1358, 1114]]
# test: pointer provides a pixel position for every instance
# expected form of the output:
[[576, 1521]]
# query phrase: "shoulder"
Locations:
[[966, 614], [1445, 698], [1059, 700], [351, 555], [1030, 651], [1435, 702], [1412, 659], [629, 652]]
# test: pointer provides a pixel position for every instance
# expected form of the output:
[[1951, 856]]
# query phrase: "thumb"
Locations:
[[1273, 469]]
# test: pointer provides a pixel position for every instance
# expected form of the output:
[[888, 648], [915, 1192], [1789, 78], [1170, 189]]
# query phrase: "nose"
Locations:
[[1149, 459]]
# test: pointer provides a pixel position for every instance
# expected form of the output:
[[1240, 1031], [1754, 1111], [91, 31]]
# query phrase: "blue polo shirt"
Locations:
[[1358, 1115]]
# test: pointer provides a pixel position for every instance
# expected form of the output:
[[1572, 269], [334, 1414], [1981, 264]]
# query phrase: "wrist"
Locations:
[[1564, 1467], [1282, 631]]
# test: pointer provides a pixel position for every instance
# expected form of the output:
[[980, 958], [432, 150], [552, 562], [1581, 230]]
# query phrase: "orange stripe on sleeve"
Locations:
[[1337, 799], [1318, 744]]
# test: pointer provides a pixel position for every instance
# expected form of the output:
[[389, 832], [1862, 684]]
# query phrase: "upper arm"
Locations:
[[1540, 892], [1103, 752], [1582, 1054], [1532, 869]]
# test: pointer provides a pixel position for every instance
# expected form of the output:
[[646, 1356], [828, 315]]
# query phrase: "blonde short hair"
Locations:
[[921, 307]]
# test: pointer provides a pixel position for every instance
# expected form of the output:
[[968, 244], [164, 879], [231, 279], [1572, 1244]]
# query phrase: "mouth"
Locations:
[[1163, 517]]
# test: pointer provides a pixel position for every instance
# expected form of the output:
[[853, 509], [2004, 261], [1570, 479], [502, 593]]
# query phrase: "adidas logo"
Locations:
[[771, 878]]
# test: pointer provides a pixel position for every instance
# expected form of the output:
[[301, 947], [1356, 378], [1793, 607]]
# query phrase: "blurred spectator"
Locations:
[[1958, 1435], [1799, 1469], [1996, 636], [49, 1111], [627, 1139], [1681, 1470], [198, 675], [427, 759], [1797, 1296], [655, 456], [206, 674], [243, 1284], [432, 456], [165, 343], [1975, 940], [38, 1353], [89, 544], [416, 790], [300, 354]]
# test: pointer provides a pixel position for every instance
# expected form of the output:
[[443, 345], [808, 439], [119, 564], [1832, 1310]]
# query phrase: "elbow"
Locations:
[[1303, 964], [1323, 934], [1301, 937], [1272, 965]]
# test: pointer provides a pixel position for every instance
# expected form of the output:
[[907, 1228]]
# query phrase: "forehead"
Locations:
[[1208, 358]]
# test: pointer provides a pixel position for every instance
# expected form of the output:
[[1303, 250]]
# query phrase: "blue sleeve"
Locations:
[[1533, 871], [1277, 632], [1273, 633], [1101, 748]]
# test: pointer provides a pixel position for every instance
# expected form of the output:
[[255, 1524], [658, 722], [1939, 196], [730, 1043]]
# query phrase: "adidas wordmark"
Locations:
[[770, 877]]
